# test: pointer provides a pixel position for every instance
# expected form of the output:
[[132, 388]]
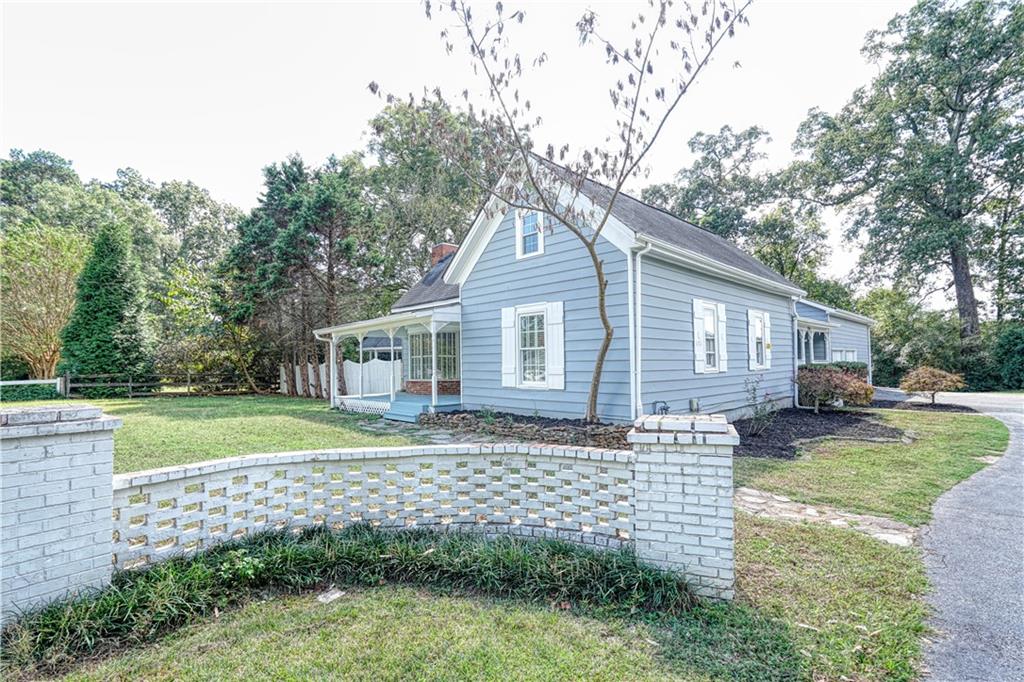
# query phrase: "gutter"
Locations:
[[636, 330]]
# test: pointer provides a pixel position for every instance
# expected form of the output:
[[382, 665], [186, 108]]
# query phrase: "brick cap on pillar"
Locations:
[[686, 429]]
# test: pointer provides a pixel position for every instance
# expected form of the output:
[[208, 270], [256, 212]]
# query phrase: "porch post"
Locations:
[[433, 364], [333, 387], [361, 365], [391, 365]]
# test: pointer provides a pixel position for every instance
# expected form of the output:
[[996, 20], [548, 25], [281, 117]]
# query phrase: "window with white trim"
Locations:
[[844, 355], [819, 347], [532, 349], [421, 358], [759, 340], [711, 338], [529, 233]]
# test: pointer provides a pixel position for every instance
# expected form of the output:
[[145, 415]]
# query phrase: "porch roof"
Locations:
[[810, 323], [392, 323]]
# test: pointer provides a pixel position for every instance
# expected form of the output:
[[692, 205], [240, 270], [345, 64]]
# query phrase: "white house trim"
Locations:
[[425, 306]]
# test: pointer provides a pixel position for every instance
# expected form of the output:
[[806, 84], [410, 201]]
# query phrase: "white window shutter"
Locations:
[[698, 336], [751, 340], [767, 341], [555, 346], [723, 340], [508, 347]]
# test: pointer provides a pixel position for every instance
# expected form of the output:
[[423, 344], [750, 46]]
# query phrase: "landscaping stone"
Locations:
[[779, 507]]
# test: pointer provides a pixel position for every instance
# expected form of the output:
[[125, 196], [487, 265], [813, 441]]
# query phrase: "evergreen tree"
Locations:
[[107, 333]]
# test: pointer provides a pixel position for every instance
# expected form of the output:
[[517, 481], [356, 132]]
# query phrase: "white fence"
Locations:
[[58, 383], [375, 377]]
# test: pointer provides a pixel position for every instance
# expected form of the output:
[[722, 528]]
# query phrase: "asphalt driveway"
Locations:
[[974, 556]]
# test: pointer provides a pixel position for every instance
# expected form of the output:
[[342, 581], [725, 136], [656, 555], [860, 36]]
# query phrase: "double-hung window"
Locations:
[[711, 338], [759, 340], [710, 347], [532, 365], [819, 347], [529, 233], [844, 355]]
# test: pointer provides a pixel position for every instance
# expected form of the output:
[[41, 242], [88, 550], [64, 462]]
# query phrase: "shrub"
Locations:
[[1009, 355], [828, 385], [763, 408], [140, 606], [28, 392], [859, 369], [929, 381]]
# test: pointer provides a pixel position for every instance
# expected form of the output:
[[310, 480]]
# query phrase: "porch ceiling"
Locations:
[[391, 323]]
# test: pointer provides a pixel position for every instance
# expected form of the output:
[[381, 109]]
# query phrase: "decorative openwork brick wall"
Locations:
[[579, 494], [670, 497]]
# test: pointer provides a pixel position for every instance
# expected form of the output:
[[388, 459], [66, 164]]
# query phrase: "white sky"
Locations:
[[213, 92]]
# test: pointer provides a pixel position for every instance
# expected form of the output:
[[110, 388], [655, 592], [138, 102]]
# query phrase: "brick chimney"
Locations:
[[439, 251]]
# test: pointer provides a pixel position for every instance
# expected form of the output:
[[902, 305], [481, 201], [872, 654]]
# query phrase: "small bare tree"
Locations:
[[652, 68]]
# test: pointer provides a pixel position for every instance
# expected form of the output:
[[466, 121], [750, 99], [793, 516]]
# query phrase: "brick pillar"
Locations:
[[683, 498], [56, 492]]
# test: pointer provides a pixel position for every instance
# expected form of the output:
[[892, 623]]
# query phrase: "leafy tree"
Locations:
[[41, 264], [720, 191], [792, 245], [651, 68], [21, 174], [928, 381], [1009, 355], [919, 154], [419, 196], [831, 292], [107, 333]]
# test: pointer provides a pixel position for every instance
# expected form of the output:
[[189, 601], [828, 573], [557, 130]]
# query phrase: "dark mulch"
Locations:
[[920, 407], [791, 425]]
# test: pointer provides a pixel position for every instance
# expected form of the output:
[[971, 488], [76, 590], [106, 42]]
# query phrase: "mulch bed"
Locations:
[[534, 429], [920, 407], [782, 438]]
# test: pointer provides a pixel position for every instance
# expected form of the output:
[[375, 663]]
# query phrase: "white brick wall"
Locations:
[[55, 497], [683, 516], [670, 497]]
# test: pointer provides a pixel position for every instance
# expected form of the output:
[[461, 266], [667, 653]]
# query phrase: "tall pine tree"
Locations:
[[107, 332]]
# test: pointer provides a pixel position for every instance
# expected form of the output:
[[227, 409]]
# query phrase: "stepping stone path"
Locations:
[[423, 433], [771, 506]]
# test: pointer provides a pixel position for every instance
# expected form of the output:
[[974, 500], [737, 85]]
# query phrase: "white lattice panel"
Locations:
[[580, 494], [365, 406]]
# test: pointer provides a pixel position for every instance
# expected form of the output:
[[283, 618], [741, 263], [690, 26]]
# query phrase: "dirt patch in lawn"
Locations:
[[919, 407], [792, 427]]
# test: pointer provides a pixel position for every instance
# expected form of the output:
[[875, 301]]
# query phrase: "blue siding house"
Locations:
[[508, 321]]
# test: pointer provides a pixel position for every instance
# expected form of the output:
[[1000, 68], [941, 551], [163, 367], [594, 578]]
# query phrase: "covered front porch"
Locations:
[[422, 372]]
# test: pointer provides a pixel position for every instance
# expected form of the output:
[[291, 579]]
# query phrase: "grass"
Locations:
[[898, 480], [160, 432], [853, 603], [394, 634], [816, 603]]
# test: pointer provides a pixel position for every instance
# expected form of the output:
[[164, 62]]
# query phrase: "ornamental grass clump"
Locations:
[[140, 606]]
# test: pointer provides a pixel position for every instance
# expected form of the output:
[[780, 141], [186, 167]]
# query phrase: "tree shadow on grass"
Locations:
[[728, 642]]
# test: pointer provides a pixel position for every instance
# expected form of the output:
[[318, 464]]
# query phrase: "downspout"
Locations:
[[333, 371], [638, 373], [631, 324], [796, 362]]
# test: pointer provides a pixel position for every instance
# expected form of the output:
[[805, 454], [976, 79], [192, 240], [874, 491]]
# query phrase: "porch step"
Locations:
[[404, 409]]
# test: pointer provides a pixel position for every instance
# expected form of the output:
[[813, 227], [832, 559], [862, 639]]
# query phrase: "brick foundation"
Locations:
[[444, 387]]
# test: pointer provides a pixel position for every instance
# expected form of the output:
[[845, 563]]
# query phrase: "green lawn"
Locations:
[[816, 603], [897, 480], [394, 634], [160, 432]]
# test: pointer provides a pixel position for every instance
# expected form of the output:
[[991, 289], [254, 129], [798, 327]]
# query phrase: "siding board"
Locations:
[[562, 273], [668, 375]]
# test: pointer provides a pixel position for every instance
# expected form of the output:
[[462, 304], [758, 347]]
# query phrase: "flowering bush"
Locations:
[[828, 385], [929, 381]]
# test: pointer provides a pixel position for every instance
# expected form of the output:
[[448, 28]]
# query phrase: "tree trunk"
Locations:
[[963, 282], [609, 332], [318, 391], [304, 377], [289, 375]]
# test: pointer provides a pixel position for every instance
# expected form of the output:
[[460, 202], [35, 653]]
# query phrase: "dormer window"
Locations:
[[529, 233]]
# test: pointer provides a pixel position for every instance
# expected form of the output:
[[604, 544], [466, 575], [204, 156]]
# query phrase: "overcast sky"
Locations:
[[214, 92]]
